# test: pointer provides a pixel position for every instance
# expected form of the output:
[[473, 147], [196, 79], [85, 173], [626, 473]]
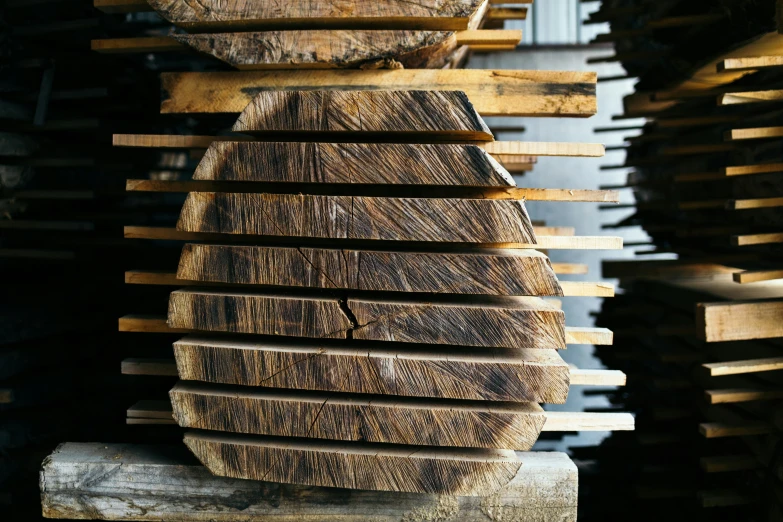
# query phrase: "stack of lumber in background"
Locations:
[[698, 322], [79, 275], [63, 206]]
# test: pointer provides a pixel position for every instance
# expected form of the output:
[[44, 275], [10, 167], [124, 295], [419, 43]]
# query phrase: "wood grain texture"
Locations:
[[347, 417], [153, 483], [446, 113], [376, 467], [524, 322], [739, 320], [326, 49], [491, 92], [488, 321], [357, 217], [360, 163], [243, 15], [453, 373], [486, 271]]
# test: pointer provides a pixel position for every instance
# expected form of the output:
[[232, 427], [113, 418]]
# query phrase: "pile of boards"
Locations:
[[362, 290], [699, 335]]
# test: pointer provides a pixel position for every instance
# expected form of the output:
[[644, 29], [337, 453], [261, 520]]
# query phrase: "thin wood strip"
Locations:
[[744, 366], [748, 204], [543, 242], [736, 98], [734, 395], [168, 368], [756, 276], [749, 63], [149, 277], [757, 239], [555, 421], [714, 430], [492, 92], [496, 148], [515, 193], [754, 133], [158, 324]]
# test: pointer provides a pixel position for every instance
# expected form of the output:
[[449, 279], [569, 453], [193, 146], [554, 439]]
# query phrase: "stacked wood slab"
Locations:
[[361, 287], [699, 335]]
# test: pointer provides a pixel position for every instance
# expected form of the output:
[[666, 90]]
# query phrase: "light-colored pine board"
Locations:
[[736, 98], [756, 276], [569, 268], [571, 421], [754, 133], [757, 239], [597, 377], [496, 148], [492, 92], [543, 242], [734, 395], [739, 320], [164, 483], [515, 193], [744, 170], [587, 335], [749, 63], [749, 204], [744, 366]]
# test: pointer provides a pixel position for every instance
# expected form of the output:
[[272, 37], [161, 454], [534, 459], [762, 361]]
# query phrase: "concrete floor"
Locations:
[[582, 173]]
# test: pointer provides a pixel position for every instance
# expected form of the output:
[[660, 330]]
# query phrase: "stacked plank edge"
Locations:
[[698, 332]]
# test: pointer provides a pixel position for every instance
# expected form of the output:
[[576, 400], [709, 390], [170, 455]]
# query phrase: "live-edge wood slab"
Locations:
[[377, 467], [350, 417], [479, 271], [365, 114], [358, 217], [483, 321], [416, 371], [243, 15], [166, 483], [352, 163], [326, 49]]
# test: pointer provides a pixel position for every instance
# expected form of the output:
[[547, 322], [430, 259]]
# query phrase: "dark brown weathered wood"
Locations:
[[326, 49], [376, 467], [449, 373], [153, 483], [369, 418], [364, 115], [245, 15], [503, 322], [473, 271], [351, 163], [357, 217]]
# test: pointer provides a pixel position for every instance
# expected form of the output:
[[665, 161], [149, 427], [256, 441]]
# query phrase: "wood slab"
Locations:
[[491, 92], [487, 271], [352, 163], [245, 15], [349, 417], [364, 115], [166, 483], [453, 373], [357, 217], [376, 467], [487, 321], [326, 49]]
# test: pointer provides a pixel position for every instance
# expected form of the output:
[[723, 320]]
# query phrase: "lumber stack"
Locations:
[[698, 333], [370, 319]]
